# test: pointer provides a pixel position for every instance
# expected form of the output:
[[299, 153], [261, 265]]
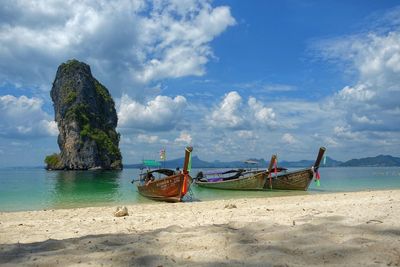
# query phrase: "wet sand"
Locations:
[[348, 229]]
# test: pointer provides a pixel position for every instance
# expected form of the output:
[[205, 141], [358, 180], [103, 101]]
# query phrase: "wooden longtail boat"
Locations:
[[294, 180], [238, 179], [171, 187], [262, 180]]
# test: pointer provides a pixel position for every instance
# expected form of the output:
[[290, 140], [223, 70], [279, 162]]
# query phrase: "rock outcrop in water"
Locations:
[[86, 118]]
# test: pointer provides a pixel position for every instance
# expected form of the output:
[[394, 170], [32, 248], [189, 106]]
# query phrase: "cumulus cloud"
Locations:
[[232, 113], [358, 93], [288, 138], [262, 114], [179, 47], [163, 113], [345, 132], [22, 117], [228, 113], [145, 138], [184, 138], [369, 104], [126, 42]]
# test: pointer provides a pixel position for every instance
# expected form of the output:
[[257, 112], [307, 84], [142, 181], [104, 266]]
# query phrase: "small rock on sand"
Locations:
[[230, 206], [121, 211]]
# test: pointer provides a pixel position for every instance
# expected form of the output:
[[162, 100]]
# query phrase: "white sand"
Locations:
[[347, 229]]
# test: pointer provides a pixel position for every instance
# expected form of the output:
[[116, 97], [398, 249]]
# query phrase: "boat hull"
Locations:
[[252, 182], [296, 180], [167, 189]]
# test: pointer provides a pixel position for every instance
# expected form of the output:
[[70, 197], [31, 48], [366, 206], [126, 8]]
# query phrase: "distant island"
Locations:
[[378, 161]]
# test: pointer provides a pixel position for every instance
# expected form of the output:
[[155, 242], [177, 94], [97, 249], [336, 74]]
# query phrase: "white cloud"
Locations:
[[125, 42], [231, 113], [330, 141], [364, 119], [145, 138], [179, 47], [261, 113], [184, 138], [140, 139], [288, 138], [246, 134], [23, 117], [228, 113], [160, 114], [345, 132], [369, 104], [359, 93], [50, 127]]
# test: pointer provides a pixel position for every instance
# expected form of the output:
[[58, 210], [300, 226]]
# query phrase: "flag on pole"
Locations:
[[163, 154]]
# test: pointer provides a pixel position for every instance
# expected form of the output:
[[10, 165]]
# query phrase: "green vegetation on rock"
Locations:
[[79, 113], [71, 97], [70, 65], [103, 92], [103, 141], [53, 162]]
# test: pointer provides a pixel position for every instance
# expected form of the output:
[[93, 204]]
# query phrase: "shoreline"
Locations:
[[292, 193], [349, 228]]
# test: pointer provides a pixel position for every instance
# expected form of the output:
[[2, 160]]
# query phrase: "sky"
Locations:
[[234, 79]]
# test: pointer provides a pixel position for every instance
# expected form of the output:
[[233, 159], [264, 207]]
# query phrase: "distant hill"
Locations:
[[378, 161], [330, 162], [262, 163], [196, 163]]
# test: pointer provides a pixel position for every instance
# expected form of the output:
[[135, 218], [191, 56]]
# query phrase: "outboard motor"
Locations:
[[200, 177]]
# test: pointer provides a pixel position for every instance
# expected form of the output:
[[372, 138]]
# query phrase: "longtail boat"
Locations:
[[165, 184], [294, 180], [237, 179], [263, 179]]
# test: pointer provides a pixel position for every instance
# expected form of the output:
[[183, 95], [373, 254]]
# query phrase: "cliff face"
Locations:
[[86, 118]]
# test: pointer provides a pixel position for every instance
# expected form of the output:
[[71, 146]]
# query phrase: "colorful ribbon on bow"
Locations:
[[275, 171], [316, 175]]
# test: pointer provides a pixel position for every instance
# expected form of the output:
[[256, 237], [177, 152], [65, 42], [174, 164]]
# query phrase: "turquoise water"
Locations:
[[35, 189]]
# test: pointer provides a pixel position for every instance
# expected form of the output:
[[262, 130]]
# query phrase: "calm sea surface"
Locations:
[[36, 189]]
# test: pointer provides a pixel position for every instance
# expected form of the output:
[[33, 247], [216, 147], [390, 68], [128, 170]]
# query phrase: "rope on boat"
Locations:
[[189, 196]]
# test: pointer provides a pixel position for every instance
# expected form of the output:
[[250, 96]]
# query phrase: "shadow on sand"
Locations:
[[329, 242]]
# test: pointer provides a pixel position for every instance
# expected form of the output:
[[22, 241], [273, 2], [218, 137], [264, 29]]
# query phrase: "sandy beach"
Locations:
[[349, 229]]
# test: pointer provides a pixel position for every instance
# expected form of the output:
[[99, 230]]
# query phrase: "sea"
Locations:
[[25, 189]]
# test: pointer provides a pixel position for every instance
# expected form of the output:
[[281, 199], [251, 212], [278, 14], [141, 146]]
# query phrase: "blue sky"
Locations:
[[235, 79]]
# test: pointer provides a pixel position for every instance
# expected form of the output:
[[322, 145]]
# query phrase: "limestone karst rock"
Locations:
[[86, 118]]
